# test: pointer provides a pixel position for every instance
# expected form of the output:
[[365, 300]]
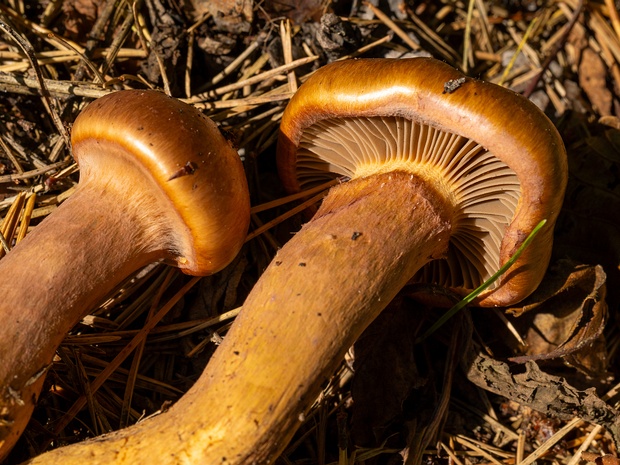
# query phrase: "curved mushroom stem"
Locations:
[[60, 271], [322, 289]]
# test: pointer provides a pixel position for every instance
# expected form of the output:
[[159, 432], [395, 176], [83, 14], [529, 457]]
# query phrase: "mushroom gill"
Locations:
[[482, 188]]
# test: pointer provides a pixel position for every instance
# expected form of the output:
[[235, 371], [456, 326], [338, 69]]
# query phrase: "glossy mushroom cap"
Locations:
[[488, 151], [124, 139]]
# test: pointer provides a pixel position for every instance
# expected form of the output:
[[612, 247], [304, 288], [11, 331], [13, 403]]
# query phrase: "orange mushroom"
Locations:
[[490, 155], [447, 173], [158, 181]]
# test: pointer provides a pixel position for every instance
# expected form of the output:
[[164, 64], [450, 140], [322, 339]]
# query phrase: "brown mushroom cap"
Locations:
[[129, 131], [492, 153]]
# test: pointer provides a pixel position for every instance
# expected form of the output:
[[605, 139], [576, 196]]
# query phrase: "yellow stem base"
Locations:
[[320, 292]]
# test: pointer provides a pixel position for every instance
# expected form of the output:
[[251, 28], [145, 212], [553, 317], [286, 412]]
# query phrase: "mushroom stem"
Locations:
[[323, 288], [158, 181], [56, 275]]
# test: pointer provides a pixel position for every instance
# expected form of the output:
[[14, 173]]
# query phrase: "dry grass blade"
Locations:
[[238, 61], [552, 441], [484, 450], [9, 224], [578, 456], [253, 80], [137, 356], [467, 55], [287, 52], [520, 45], [393, 26], [123, 354], [294, 197], [293, 211]]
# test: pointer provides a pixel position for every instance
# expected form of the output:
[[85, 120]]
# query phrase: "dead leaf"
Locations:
[[79, 17], [548, 394], [607, 459], [565, 317], [230, 15], [592, 79], [337, 37], [611, 121], [298, 11]]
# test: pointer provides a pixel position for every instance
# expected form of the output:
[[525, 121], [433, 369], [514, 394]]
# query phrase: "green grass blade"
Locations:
[[476, 292]]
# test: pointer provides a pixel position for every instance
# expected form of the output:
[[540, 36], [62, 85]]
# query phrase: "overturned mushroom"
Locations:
[[489, 155], [423, 165], [137, 202]]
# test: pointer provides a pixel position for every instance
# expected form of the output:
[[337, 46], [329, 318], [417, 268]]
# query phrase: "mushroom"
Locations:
[[158, 181], [444, 185]]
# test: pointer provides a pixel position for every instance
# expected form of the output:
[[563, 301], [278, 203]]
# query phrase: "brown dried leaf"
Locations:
[[611, 121], [79, 17], [576, 43], [548, 394], [606, 460], [298, 11], [566, 315], [230, 15], [592, 78]]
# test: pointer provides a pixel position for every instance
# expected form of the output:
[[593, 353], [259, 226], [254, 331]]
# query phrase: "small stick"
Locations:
[[577, 456], [188, 64], [98, 76], [162, 71], [31, 173], [247, 102], [393, 26], [96, 32], [140, 27], [520, 452], [30, 86], [194, 26], [558, 46], [451, 453], [484, 26], [119, 39], [370, 46], [613, 16], [552, 441], [240, 59], [253, 80]]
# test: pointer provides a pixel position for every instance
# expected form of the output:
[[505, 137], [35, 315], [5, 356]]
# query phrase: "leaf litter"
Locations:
[[545, 390]]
